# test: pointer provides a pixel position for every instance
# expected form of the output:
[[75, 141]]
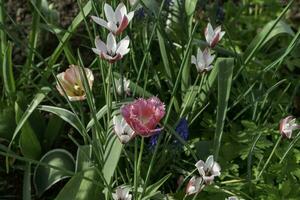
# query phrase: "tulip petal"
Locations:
[[109, 13], [100, 21], [122, 47], [111, 44], [120, 12], [100, 45]]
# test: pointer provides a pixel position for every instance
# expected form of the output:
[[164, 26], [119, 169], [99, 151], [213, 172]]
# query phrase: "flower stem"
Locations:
[[267, 162], [290, 147], [190, 96]]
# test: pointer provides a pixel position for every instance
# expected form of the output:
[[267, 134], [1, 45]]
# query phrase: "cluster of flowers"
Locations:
[[142, 116]]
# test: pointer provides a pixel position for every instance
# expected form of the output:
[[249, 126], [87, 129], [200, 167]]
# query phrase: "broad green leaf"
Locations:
[[111, 157], [152, 5], [52, 130], [32, 106], [79, 188], [7, 122], [7, 71], [83, 158], [44, 177], [64, 114], [225, 66], [190, 6]]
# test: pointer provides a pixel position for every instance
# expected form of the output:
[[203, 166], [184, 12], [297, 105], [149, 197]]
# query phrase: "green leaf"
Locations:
[[190, 6], [111, 157], [152, 189], [225, 66], [83, 158], [76, 22], [27, 182], [7, 122], [79, 188], [7, 67], [64, 114], [44, 177], [52, 130], [280, 28]]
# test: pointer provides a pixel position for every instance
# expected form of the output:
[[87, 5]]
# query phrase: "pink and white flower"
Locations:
[[143, 115], [213, 36], [208, 170], [117, 20], [287, 126], [71, 82], [194, 186], [126, 84], [122, 193], [111, 51], [204, 60], [122, 129]]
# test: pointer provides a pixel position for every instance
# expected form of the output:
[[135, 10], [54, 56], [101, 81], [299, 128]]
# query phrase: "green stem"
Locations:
[[179, 75], [190, 96], [267, 162], [135, 167], [290, 147]]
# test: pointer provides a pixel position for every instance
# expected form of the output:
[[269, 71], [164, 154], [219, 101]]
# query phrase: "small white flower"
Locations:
[[204, 60], [133, 2], [208, 170], [213, 36], [122, 129], [287, 126], [122, 193], [194, 186], [111, 51], [126, 84], [117, 20]]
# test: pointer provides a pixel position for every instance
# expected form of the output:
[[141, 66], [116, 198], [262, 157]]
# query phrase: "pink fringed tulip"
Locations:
[[213, 36], [287, 126], [144, 115], [117, 20], [72, 84]]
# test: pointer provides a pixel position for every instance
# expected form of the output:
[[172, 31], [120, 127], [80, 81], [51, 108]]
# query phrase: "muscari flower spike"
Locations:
[[213, 36], [287, 126], [208, 170], [122, 129], [70, 81], [122, 193], [117, 20], [143, 115], [204, 60], [182, 129], [111, 51]]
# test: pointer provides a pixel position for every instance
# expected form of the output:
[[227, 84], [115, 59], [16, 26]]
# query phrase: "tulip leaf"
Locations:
[[7, 122], [7, 71], [45, 177], [64, 114], [33, 105], [81, 187], [75, 23], [225, 66], [280, 28], [190, 6], [152, 189], [111, 157], [83, 158]]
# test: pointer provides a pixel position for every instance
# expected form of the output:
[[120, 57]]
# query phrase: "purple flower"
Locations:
[[153, 140], [182, 129]]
